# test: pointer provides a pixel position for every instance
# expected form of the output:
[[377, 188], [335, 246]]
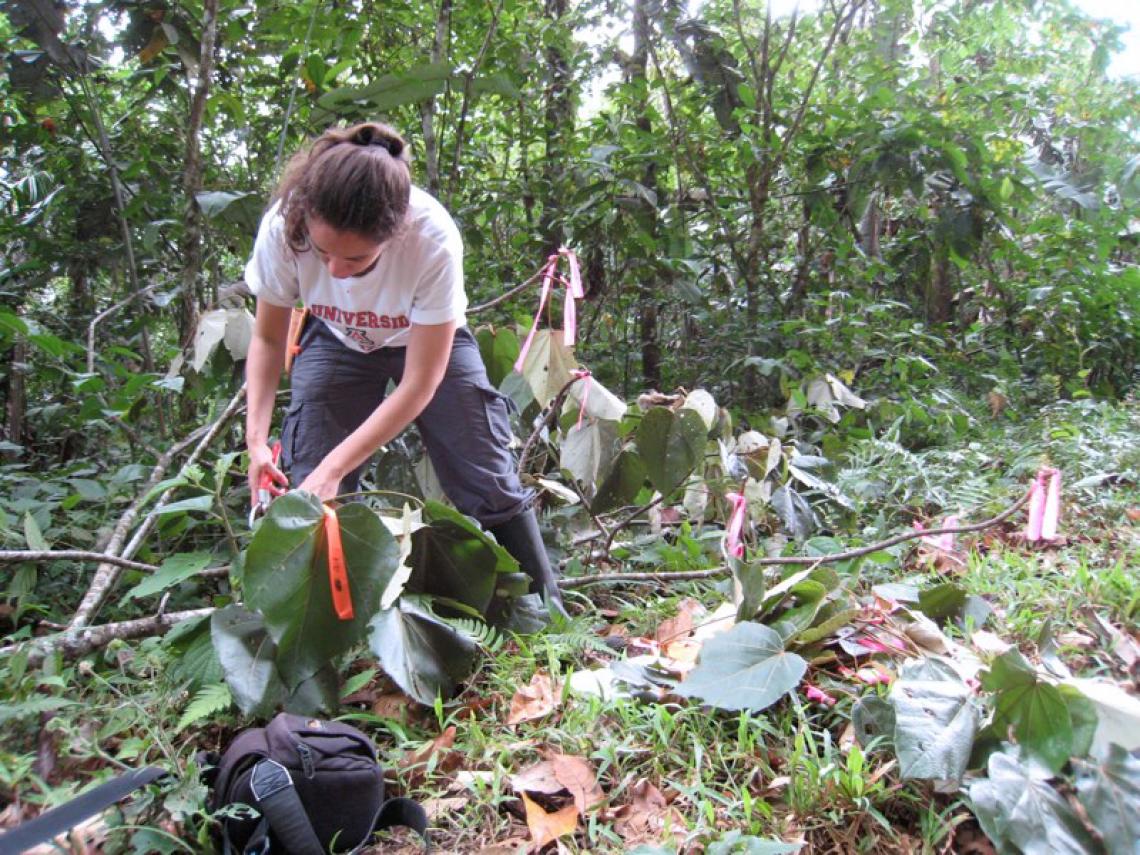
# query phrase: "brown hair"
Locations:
[[355, 179]]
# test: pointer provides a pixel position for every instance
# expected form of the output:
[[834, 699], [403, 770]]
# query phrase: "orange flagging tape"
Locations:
[[338, 570]]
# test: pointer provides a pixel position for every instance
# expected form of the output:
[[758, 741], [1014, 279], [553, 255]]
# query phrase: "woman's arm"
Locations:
[[429, 350], [263, 366]]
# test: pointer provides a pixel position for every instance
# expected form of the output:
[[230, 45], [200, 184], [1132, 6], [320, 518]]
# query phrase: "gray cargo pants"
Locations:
[[465, 428]]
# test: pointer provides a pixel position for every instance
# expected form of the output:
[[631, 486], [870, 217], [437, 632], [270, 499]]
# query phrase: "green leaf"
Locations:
[[357, 682], [736, 843], [746, 667], [209, 700], [175, 569], [1020, 812], [196, 661], [1037, 711], [622, 484], [452, 557], [671, 445], [935, 723], [1110, 793], [423, 654], [32, 707], [751, 585], [794, 511], [33, 535], [246, 653], [196, 503], [942, 602], [392, 90], [286, 579], [499, 349]]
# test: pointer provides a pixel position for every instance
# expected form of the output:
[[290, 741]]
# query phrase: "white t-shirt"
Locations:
[[418, 279]]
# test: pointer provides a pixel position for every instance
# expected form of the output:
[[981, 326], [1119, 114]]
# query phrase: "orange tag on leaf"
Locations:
[[338, 570]]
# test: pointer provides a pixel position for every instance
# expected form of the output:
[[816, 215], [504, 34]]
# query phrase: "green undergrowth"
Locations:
[[725, 779]]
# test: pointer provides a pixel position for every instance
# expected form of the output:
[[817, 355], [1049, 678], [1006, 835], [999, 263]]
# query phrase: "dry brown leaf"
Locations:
[[684, 652], [1132, 514], [412, 765], [677, 628], [646, 816], [539, 778], [577, 776], [394, 705], [533, 701], [545, 827]]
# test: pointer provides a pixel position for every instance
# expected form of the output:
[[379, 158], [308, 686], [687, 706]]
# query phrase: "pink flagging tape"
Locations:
[[733, 543]]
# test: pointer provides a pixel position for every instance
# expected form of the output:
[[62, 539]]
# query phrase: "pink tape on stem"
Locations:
[[733, 543], [946, 541], [1036, 507], [547, 281], [1052, 513], [584, 375]]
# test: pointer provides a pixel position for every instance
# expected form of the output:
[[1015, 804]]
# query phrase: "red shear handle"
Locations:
[[265, 482], [338, 571]]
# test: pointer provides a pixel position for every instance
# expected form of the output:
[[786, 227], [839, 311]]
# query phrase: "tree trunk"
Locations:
[[558, 127], [648, 288], [191, 244], [427, 108], [939, 290]]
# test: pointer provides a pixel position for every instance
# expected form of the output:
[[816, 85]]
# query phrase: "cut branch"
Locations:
[[79, 641], [108, 574]]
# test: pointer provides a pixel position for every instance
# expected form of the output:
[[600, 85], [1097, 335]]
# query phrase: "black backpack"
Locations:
[[316, 784]]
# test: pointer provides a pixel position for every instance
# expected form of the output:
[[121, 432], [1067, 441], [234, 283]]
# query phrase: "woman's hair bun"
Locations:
[[375, 135]]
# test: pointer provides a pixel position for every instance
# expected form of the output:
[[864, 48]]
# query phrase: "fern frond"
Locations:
[[210, 700], [483, 634]]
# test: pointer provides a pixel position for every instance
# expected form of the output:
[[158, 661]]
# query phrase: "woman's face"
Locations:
[[345, 254]]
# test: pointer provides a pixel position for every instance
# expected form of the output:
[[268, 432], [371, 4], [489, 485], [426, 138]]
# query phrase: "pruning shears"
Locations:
[[265, 487]]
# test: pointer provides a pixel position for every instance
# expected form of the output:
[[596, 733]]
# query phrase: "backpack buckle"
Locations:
[[269, 778]]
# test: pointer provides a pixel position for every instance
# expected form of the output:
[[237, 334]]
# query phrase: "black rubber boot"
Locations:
[[521, 538]]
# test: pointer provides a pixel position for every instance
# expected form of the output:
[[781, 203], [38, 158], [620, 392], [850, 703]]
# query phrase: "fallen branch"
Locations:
[[107, 574], [795, 559], [40, 556], [10, 556], [78, 641]]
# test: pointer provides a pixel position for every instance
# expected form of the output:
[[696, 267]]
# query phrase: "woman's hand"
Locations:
[[261, 465], [324, 482]]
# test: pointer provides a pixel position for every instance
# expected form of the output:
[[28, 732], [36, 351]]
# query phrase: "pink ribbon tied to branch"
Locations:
[[733, 545], [945, 542], [587, 379], [550, 276], [1044, 506]]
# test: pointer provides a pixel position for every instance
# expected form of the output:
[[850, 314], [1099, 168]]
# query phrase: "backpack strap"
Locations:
[[276, 798], [68, 815], [401, 811]]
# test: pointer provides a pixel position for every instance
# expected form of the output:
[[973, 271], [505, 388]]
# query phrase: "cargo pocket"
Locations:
[[496, 408]]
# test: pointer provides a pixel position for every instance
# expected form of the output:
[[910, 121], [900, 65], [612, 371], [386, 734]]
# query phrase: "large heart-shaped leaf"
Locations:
[[622, 484], [1110, 793], [452, 557], [671, 444], [499, 349], [424, 655], [287, 580], [746, 667], [1037, 710], [1021, 812], [246, 653], [935, 723]]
